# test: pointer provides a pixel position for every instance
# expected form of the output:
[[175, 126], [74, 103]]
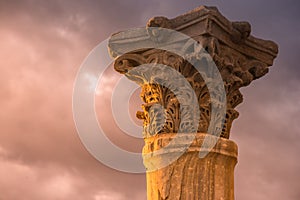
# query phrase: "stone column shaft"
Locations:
[[192, 177]]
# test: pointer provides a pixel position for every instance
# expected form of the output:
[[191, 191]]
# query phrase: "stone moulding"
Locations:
[[160, 141], [206, 21]]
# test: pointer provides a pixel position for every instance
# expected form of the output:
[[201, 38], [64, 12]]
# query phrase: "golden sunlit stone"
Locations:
[[240, 59]]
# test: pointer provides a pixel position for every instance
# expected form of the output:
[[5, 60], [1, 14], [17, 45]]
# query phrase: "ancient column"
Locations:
[[240, 58]]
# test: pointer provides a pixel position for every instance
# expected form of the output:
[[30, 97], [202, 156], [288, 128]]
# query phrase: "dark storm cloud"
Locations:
[[42, 46]]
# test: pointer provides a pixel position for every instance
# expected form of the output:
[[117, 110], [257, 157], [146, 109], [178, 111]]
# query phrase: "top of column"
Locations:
[[239, 57], [204, 21]]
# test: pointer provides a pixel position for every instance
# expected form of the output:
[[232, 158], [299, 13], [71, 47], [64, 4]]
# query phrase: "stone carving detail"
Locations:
[[169, 99], [236, 70], [241, 31], [240, 58], [237, 66]]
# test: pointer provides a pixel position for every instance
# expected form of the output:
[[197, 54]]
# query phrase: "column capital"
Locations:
[[240, 58]]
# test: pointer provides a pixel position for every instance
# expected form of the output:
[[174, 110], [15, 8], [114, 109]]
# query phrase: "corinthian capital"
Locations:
[[239, 57]]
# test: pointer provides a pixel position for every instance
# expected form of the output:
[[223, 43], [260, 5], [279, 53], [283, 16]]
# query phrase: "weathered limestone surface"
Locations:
[[190, 177], [240, 59]]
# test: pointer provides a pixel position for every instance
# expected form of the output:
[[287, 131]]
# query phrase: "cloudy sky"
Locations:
[[42, 45]]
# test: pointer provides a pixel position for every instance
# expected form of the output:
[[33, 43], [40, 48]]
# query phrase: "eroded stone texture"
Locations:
[[240, 59], [189, 177]]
